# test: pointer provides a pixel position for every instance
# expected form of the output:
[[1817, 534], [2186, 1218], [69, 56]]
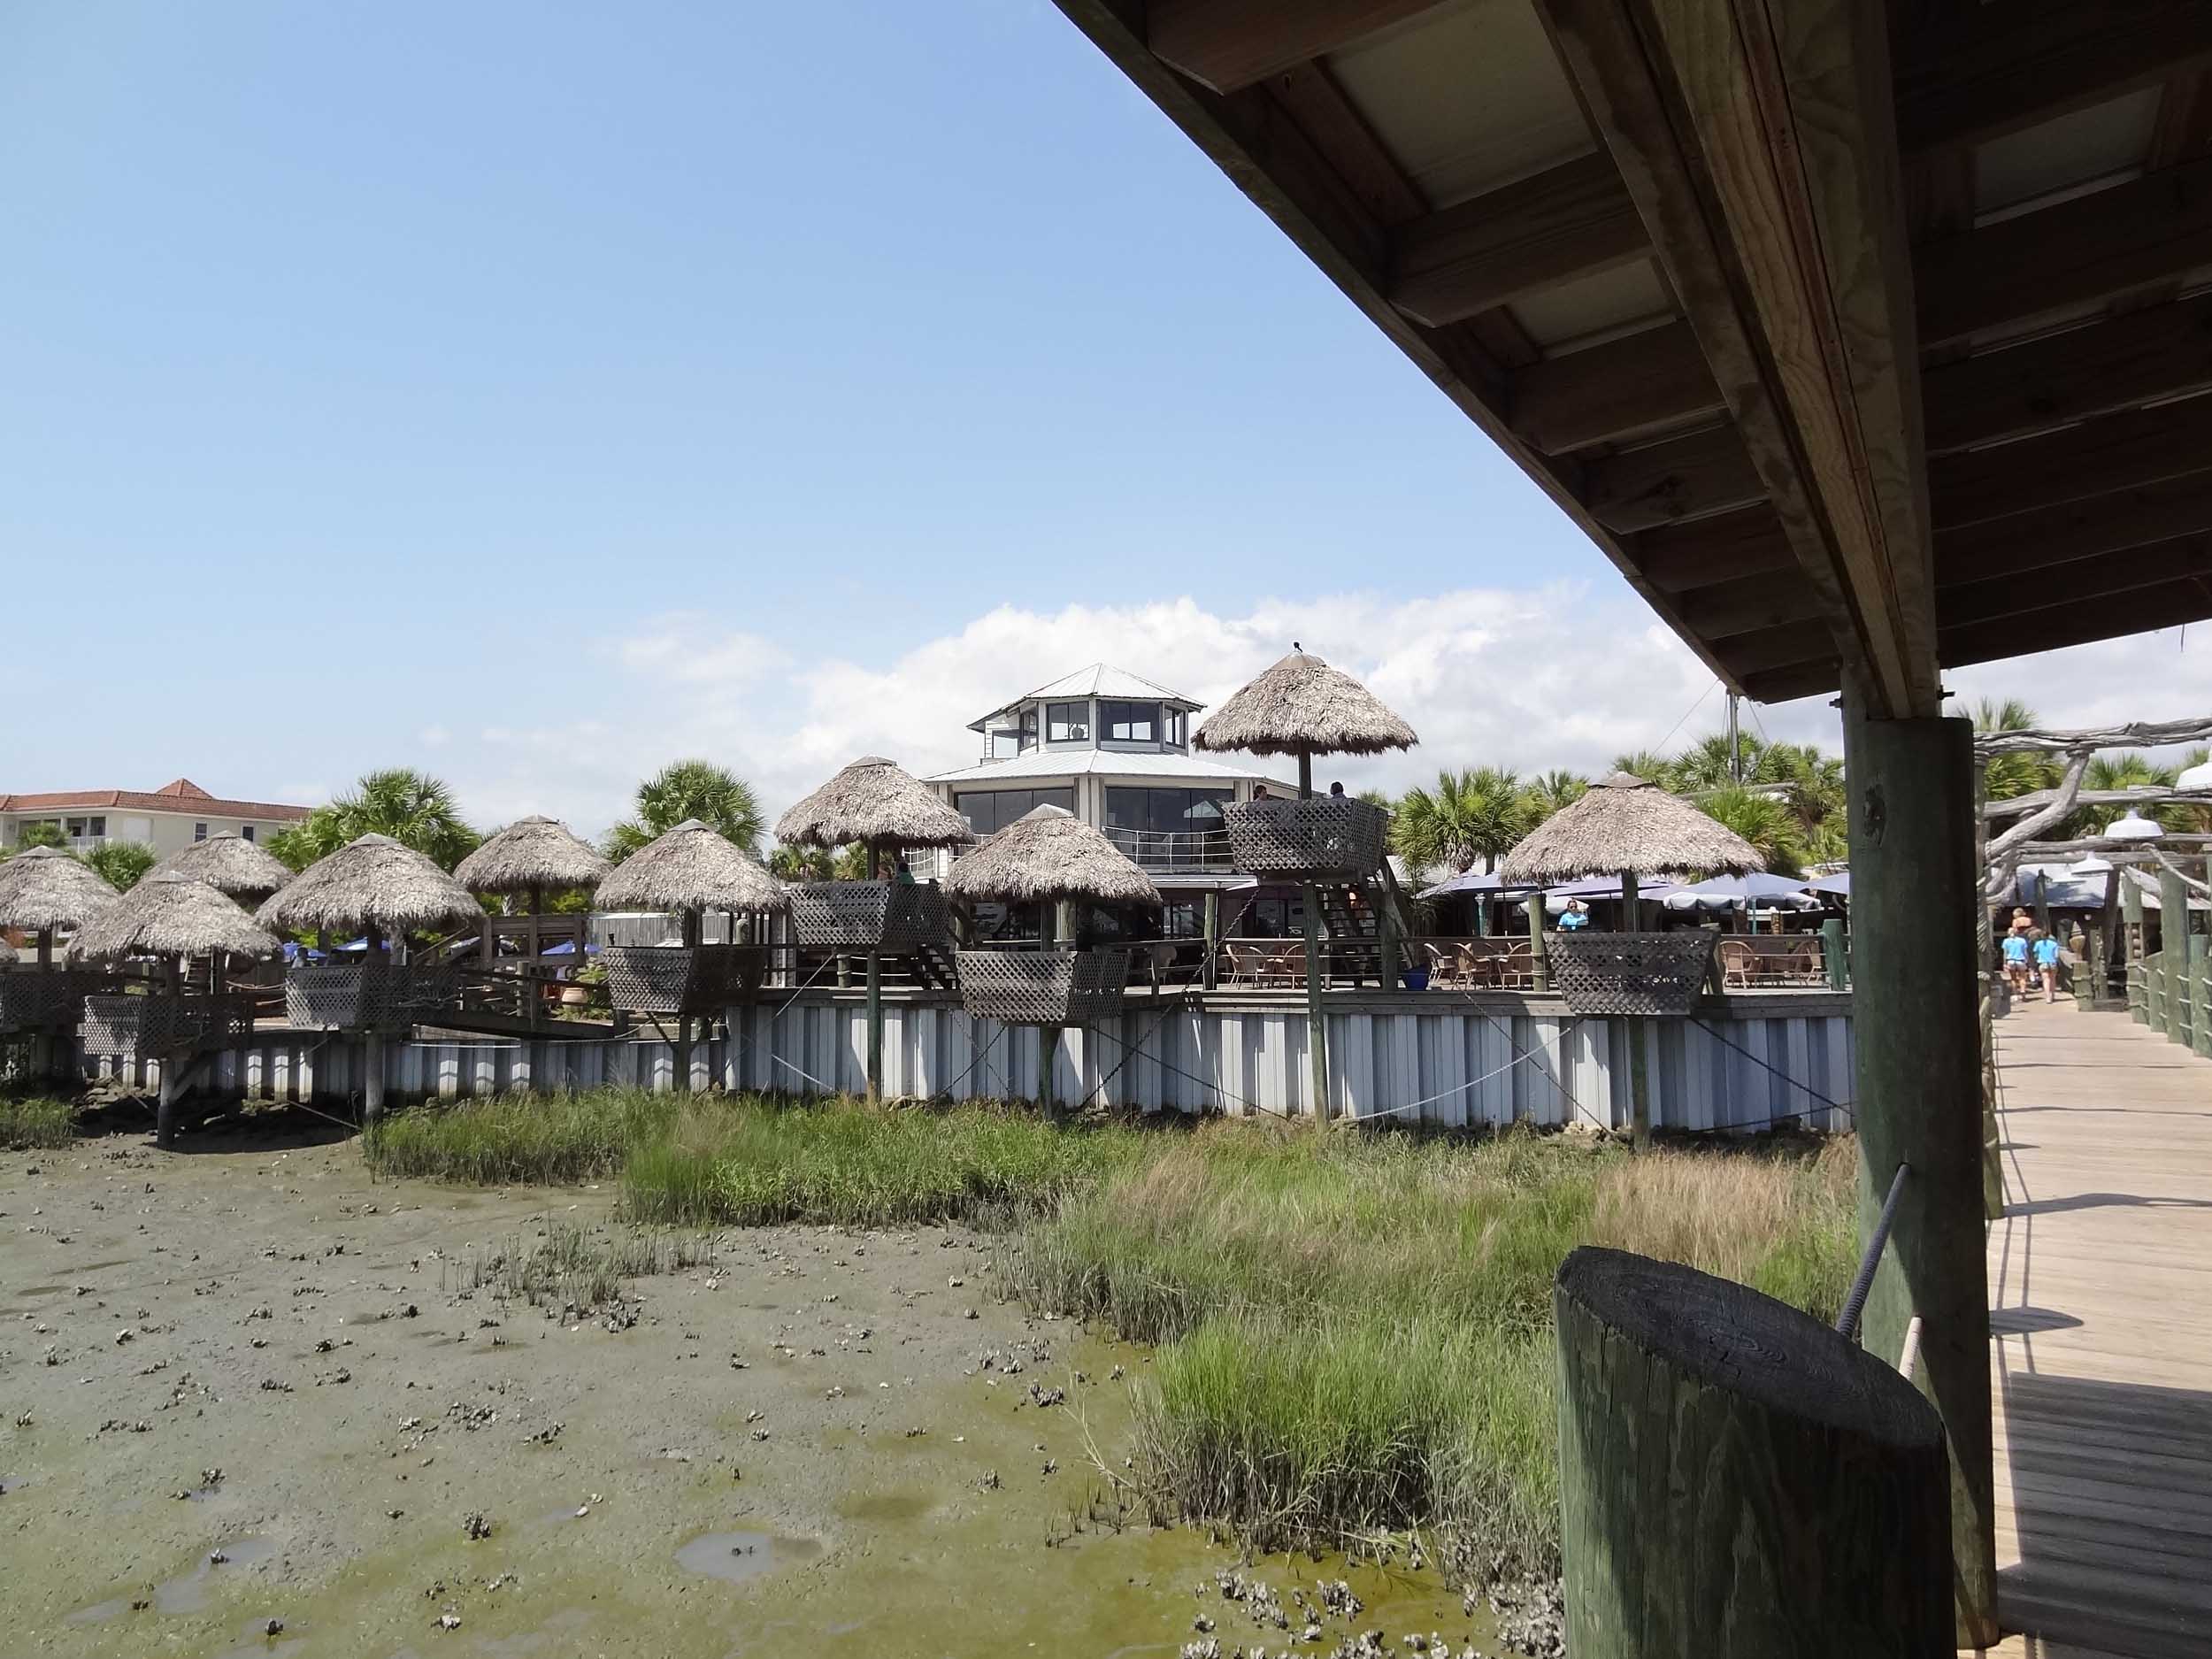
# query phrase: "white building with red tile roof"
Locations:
[[167, 819]]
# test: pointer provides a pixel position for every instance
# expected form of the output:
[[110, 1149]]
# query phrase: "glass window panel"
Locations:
[[1130, 722], [1126, 809], [1068, 722]]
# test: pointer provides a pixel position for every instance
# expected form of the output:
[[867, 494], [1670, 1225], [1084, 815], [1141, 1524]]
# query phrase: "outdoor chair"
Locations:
[[1443, 970], [1738, 962]]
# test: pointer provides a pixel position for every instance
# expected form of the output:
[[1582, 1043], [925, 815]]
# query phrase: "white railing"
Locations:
[[1173, 849]]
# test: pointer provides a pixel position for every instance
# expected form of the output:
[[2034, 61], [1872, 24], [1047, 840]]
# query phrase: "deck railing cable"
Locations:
[[1854, 1304]]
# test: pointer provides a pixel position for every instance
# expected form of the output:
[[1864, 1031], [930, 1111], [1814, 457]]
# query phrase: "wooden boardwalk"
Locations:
[[2100, 1292]]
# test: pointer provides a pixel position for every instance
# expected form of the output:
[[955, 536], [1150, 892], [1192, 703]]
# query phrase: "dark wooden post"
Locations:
[[2136, 980], [1316, 1022], [1914, 890], [1737, 1480], [1538, 972], [1639, 1083], [1211, 972], [2173, 951], [1986, 982], [1835, 955]]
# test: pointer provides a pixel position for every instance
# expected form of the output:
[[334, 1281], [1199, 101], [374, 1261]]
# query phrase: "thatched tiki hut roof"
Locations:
[[691, 868], [1302, 706], [1049, 854], [531, 853], [874, 803], [1626, 824], [371, 882], [234, 866], [170, 914], [46, 887], [7, 953]]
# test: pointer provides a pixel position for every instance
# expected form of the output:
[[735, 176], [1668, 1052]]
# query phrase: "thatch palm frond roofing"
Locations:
[[873, 802], [531, 852], [1625, 822], [234, 866], [169, 914], [44, 887], [1049, 854], [370, 882], [7, 952], [1303, 706], [691, 868]]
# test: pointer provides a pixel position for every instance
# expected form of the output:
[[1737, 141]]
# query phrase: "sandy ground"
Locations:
[[795, 1449]]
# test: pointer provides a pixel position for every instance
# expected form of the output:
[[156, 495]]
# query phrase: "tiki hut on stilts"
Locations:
[[234, 867], [41, 891], [531, 857], [1627, 825], [1302, 706], [873, 804], [1050, 858], [381, 891], [187, 932], [687, 873]]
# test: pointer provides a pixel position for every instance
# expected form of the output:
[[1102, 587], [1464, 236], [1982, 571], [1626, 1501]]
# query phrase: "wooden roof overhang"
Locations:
[[1859, 349]]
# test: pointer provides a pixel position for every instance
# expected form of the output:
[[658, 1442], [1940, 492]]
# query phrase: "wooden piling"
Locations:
[[1914, 891], [1737, 1480], [1835, 953], [2173, 952]]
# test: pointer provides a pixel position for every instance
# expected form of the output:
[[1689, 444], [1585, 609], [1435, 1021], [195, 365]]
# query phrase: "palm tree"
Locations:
[[1549, 791], [2005, 776], [413, 808], [801, 864], [121, 863], [1763, 819], [1650, 766], [1706, 764], [1478, 813], [718, 797]]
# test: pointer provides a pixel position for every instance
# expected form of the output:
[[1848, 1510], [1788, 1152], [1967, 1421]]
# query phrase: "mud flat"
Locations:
[[807, 1440]]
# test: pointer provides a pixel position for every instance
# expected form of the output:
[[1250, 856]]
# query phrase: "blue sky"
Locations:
[[534, 392]]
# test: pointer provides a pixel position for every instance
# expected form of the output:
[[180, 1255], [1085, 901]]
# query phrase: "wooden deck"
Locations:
[[2100, 1291]]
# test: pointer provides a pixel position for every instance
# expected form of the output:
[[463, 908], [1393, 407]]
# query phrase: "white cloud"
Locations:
[[689, 649]]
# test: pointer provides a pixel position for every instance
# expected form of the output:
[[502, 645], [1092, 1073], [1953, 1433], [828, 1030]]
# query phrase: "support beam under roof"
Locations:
[[2125, 571], [2065, 257], [2098, 458], [2076, 622], [2113, 362], [1759, 144], [1689, 477], [1625, 388], [2019, 544], [1572, 220], [1997, 69]]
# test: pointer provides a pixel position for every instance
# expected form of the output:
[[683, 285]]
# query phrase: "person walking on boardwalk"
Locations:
[[2016, 961], [2045, 949]]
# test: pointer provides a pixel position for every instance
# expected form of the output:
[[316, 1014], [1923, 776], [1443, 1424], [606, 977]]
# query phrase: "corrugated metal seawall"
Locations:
[[1742, 1065]]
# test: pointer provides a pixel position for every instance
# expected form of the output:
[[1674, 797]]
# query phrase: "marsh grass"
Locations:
[[35, 1122], [1356, 1330], [521, 1139]]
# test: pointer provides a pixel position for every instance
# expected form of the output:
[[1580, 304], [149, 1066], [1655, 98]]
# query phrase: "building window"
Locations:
[[1165, 811], [1067, 723], [1009, 740], [247, 832], [1130, 722], [76, 829], [199, 832], [990, 811], [1178, 726], [99, 826]]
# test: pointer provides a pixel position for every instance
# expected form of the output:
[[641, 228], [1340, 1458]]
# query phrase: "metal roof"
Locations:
[[1100, 679], [1107, 763]]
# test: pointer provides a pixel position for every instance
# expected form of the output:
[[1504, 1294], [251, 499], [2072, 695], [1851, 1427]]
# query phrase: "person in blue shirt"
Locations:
[[2044, 948], [1576, 915], [2017, 962]]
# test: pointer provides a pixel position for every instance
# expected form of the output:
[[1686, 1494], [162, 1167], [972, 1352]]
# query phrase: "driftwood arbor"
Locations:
[[532, 857], [173, 920], [688, 872], [1738, 1481], [376, 888], [1302, 706], [871, 803], [1048, 857], [1623, 823], [42, 890]]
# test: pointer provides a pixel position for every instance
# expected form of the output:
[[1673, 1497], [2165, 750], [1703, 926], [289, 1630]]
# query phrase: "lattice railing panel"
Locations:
[[1631, 973], [871, 915], [158, 1024], [1044, 988], [371, 993], [1328, 835], [683, 978], [35, 999]]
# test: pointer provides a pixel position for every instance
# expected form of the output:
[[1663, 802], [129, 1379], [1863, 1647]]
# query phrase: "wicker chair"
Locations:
[[1738, 961]]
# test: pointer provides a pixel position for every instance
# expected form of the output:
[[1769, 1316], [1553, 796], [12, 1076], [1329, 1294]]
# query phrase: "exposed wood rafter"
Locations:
[[1624, 389], [1227, 45]]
